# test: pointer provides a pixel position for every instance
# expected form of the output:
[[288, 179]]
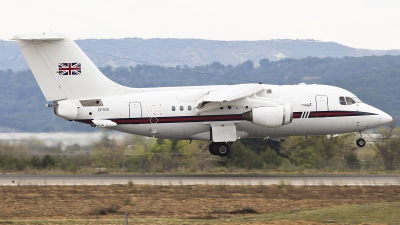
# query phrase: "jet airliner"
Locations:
[[220, 114]]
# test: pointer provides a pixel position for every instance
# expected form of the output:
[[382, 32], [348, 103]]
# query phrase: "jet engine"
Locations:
[[66, 110], [270, 117]]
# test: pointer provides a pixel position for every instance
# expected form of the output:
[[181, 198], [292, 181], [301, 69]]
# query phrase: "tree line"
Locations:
[[327, 153]]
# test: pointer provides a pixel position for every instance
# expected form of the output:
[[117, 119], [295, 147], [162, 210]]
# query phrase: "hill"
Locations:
[[193, 52]]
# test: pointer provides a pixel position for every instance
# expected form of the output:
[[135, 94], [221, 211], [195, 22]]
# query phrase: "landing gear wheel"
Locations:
[[360, 142], [222, 149], [212, 148]]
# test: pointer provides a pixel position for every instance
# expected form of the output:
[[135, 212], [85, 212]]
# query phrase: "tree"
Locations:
[[35, 162], [195, 155], [300, 151], [259, 145], [242, 157], [270, 157], [306, 151], [139, 153], [388, 145], [108, 153], [47, 162], [331, 147], [163, 155]]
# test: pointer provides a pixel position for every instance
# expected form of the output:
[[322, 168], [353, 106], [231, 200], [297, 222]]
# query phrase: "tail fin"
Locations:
[[62, 69]]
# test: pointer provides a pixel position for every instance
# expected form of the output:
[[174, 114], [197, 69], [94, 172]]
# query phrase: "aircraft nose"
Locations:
[[385, 118]]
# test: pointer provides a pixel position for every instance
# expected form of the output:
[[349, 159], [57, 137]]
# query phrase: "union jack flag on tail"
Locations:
[[69, 68]]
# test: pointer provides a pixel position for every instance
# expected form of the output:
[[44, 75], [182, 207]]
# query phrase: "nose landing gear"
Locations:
[[361, 141], [219, 148]]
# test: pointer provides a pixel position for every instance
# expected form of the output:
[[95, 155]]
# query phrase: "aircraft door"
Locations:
[[135, 110], [321, 102]]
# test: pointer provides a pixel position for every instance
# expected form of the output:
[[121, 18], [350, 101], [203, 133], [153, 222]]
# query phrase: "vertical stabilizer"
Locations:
[[62, 69]]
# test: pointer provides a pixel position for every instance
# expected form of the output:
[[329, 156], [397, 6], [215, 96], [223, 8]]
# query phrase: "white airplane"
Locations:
[[221, 114]]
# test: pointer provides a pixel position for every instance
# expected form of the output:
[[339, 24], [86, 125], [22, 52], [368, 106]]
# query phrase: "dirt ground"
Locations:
[[181, 201]]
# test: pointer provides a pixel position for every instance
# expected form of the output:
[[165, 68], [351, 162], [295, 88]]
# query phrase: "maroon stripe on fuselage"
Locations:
[[319, 114], [296, 115], [181, 119], [188, 119]]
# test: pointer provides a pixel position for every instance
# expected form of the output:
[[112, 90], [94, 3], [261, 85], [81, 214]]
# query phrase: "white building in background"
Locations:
[[52, 139]]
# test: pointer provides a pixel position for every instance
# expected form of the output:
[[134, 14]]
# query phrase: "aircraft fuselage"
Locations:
[[171, 113]]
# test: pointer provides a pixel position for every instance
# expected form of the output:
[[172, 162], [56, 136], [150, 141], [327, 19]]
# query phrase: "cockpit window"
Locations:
[[342, 101], [349, 100], [357, 100]]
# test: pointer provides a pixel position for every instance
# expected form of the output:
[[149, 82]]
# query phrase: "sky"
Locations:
[[368, 24]]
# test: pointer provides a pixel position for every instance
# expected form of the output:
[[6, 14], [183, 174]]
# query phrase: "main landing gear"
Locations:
[[361, 141], [219, 148]]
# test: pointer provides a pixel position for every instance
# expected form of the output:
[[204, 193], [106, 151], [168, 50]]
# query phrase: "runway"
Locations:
[[195, 179]]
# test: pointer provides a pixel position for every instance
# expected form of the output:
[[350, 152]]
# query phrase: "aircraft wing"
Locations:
[[234, 95], [233, 92]]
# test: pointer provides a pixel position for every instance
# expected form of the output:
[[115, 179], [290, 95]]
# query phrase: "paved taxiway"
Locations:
[[156, 179]]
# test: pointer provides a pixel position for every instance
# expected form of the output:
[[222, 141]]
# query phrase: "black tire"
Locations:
[[222, 149], [212, 148], [360, 142]]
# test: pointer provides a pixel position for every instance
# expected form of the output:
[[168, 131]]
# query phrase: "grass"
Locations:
[[383, 213], [387, 213]]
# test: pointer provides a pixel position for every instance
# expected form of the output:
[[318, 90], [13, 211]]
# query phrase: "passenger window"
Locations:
[[342, 101], [173, 108], [229, 107], [181, 108], [350, 101], [190, 108]]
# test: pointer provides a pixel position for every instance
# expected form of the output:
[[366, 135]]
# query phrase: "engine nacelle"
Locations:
[[66, 110], [270, 117]]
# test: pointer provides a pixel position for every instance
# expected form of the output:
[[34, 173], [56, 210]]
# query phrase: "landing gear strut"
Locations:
[[361, 141], [219, 148]]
